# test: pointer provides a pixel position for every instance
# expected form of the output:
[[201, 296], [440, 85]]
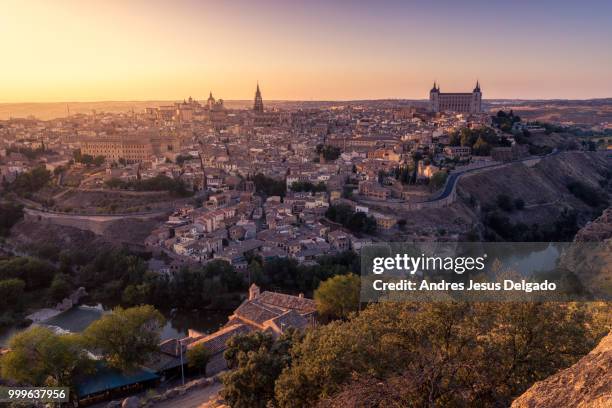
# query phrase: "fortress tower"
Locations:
[[461, 102]]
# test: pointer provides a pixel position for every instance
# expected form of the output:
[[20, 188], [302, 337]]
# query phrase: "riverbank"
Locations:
[[76, 319], [43, 314]]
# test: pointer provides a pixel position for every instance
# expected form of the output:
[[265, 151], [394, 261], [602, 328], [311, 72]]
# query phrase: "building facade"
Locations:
[[131, 148], [461, 102]]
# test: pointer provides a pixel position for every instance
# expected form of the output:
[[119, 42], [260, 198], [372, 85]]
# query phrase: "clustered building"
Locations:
[[264, 179], [375, 158]]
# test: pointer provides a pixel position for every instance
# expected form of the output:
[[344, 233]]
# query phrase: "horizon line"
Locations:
[[299, 100]]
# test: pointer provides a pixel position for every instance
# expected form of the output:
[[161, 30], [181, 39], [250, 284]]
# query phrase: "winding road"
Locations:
[[452, 179]]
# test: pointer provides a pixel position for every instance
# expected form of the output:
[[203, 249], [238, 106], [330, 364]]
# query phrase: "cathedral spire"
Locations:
[[258, 103]]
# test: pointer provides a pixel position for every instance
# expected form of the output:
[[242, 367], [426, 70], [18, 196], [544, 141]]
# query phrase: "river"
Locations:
[[78, 318], [525, 258]]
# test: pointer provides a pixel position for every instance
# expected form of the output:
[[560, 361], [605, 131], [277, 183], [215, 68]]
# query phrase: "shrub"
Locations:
[[519, 203], [587, 194], [504, 202]]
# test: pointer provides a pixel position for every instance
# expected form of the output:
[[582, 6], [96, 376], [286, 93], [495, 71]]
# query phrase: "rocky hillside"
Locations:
[[588, 383], [598, 230], [590, 258], [543, 186]]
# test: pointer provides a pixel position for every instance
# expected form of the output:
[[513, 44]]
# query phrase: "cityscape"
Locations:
[[211, 251]]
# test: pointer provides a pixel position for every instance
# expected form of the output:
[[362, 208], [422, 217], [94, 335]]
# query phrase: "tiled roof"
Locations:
[[268, 306], [215, 342], [290, 319], [256, 312], [284, 301]]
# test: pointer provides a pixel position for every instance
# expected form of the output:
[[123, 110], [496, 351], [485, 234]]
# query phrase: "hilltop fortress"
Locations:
[[463, 102]]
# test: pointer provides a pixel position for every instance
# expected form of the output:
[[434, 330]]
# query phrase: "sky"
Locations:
[[66, 50]]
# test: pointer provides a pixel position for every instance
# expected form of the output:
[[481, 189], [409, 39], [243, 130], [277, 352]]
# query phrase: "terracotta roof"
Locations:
[[289, 319], [215, 342], [284, 301], [254, 311], [271, 307]]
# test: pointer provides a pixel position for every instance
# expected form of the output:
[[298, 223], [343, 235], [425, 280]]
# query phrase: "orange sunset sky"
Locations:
[[309, 50]]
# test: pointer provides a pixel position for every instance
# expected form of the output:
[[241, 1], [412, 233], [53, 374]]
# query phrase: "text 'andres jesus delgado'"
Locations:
[[424, 285]]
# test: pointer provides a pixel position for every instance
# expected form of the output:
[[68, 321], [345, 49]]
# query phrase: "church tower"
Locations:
[[476, 99], [434, 98], [258, 105], [211, 101], [254, 291]]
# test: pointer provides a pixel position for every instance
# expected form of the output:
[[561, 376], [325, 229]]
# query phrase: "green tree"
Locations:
[[338, 296], [31, 181], [257, 366], [504, 202], [87, 159], [180, 159], [27, 151], [481, 147], [35, 273], [11, 291], [108, 267], [443, 349], [330, 153], [40, 357], [355, 221], [245, 343], [10, 214], [126, 337], [269, 186], [519, 203], [60, 287], [401, 223], [198, 357], [307, 186], [438, 179], [99, 160], [589, 195], [134, 295], [116, 183]]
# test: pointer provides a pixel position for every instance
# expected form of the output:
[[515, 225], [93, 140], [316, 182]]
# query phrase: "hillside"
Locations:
[[543, 188], [588, 383], [30, 236], [590, 258]]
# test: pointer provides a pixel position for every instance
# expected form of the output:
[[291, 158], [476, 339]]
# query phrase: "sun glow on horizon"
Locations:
[[160, 50]]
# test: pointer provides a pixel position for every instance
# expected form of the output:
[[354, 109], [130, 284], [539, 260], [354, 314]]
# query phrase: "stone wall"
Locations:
[[94, 223]]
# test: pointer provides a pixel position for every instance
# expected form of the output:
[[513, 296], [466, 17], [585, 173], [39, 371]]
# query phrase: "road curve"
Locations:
[[452, 179]]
